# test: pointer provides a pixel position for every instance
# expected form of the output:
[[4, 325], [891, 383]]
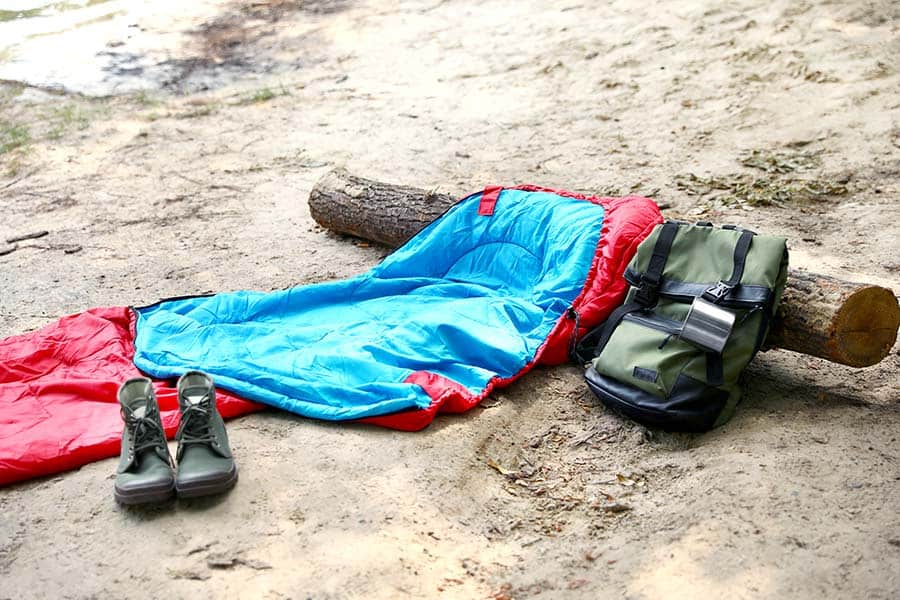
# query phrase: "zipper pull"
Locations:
[[573, 315], [748, 314]]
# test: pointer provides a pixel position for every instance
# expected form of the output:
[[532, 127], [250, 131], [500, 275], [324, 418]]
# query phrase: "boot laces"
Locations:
[[195, 427], [146, 432]]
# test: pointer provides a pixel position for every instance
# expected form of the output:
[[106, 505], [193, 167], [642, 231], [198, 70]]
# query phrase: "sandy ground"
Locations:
[[185, 190]]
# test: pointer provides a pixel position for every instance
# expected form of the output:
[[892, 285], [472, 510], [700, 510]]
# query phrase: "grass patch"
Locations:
[[14, 140], [261, 95], [779, 186], [9, 92], [145, 99], [749, 190], [12, 15], [14, 164], [199, 111], [780, 162], [12, 136], [64, 118]]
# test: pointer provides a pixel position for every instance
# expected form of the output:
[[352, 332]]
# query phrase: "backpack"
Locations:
[[698, 310]]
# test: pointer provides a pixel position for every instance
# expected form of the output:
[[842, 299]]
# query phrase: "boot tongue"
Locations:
[[194, 396], [139, 411]]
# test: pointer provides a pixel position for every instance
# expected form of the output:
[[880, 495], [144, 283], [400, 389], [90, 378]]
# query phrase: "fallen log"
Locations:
[[381, 212], [849, 323]]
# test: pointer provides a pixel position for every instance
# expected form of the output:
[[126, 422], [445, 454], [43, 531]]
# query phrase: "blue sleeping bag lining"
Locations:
[[470, 298]]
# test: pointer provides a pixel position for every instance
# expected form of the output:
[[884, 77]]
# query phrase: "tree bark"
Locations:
[[385, 213], [848, 323]]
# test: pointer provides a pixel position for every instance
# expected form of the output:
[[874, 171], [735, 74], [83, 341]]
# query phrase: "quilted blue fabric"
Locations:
[[470, 298]]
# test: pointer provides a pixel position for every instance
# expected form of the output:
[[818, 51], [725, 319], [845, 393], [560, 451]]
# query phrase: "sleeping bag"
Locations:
[[506, 279]]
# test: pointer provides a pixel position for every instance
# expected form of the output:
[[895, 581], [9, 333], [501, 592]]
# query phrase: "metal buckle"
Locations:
[[648, 292], [717, 293]]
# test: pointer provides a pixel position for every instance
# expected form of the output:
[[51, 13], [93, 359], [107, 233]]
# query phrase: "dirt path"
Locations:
[[783, 116]]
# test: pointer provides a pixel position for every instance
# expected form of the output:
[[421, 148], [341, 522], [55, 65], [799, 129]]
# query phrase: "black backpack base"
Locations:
[[692, 406]]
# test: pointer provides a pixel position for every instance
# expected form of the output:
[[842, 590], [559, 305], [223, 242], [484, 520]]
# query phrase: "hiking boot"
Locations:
[[205, 464], [145, 465]]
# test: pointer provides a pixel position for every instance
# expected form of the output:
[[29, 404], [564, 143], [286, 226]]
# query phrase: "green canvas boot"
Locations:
[[205, 464], [145, 465]]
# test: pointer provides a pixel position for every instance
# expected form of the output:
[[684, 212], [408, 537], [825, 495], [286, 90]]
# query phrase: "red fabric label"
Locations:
[[489, 200]]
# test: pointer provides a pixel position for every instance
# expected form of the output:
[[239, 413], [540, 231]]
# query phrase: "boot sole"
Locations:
[[207, 488], [145, 496]]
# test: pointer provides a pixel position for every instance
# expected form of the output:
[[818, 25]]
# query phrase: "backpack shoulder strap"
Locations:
[[717, 293], [646, 296]]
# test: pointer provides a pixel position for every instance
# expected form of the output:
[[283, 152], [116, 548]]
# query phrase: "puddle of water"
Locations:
[[112, 47], [98, 47]]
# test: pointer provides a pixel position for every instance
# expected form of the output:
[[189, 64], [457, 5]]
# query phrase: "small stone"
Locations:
[[221, 561], [189, 574], [256, 565], [615, 507]]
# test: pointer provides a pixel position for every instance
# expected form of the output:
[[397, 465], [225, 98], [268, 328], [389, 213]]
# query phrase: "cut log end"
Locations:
[[848, 323], [865, 327]]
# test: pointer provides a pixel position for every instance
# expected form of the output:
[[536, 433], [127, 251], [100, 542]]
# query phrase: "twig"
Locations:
[[15, 181], [224, 186], [250, 143], [584, 437], [186, 178], [66, 248], [27, 236]]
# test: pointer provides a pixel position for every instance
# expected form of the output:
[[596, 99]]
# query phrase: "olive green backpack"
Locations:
[[699, 307]]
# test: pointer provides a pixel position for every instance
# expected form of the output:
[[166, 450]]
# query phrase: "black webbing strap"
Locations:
[[715, 369], [718, 292], [648, 289], [593, 343], [741, 249], [646, 296], [715, 375]]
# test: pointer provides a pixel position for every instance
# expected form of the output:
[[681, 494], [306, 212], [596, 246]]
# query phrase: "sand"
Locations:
[[541, 491]]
